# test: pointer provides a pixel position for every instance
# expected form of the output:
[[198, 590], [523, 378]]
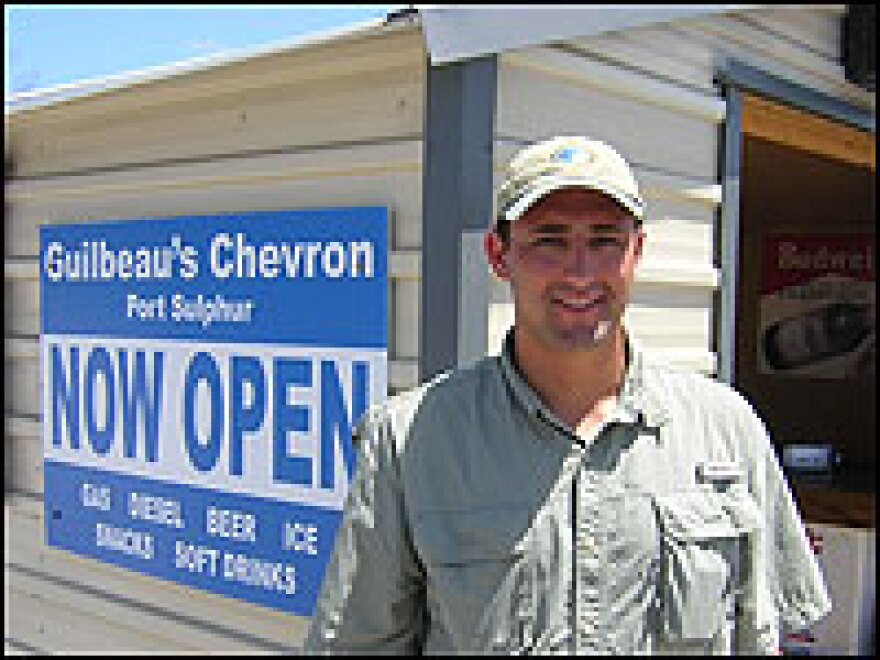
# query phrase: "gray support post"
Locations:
[[728, 233], [457, 200]]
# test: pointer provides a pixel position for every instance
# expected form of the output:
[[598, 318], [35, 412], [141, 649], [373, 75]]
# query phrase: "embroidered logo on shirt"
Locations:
[[718, 471]]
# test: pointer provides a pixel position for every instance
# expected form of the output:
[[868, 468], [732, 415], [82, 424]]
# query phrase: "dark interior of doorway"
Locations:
[[786, 189]]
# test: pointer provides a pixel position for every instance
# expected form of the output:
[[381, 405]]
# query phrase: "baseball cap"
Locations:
[[566, 162]]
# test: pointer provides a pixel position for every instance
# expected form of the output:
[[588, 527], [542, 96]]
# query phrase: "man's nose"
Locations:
[[580, 261]]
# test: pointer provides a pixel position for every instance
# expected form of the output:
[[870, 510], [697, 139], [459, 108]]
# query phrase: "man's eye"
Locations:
[[552, 241], [606, 241]]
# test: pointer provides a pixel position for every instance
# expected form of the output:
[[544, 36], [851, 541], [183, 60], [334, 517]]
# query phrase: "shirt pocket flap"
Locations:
[[703, 532], [703, 515], [449, 538]]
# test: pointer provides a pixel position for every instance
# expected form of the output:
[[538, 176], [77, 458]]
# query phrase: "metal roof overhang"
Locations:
[[462, 32]]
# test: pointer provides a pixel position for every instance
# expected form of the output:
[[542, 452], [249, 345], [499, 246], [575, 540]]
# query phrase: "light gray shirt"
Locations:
[[478, 522]]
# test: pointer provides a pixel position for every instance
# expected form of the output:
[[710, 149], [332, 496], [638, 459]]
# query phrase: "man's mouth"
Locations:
[[579, 303]]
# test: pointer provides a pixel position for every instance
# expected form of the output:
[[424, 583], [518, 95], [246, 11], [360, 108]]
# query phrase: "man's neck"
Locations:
[[580, 387]]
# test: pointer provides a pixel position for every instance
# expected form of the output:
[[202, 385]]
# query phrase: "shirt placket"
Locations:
[[587, 562]]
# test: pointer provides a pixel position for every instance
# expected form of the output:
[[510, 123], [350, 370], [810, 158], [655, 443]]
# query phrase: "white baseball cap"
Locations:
[[566, 162]]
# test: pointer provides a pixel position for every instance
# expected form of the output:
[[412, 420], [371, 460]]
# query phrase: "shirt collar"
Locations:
[[637, 402]]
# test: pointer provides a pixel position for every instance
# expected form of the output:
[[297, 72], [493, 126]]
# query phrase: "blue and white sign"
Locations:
[[201, 378]]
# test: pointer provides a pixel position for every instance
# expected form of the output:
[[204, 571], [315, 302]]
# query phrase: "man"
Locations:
[[567, 496]]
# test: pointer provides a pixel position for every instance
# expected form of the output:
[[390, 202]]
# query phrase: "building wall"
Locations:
[[651, 93], [329, 125]]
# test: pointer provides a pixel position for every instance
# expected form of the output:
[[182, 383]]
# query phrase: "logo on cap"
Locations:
[[573, 155]]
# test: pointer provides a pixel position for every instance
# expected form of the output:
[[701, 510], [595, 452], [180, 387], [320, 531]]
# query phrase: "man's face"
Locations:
[[570, 262]]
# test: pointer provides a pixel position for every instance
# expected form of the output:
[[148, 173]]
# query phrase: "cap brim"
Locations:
[[546, 186]]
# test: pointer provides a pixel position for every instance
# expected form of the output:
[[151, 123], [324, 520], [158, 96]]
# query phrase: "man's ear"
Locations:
[[496, 254], [640, 244]]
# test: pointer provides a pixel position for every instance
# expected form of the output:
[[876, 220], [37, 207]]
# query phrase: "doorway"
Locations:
[[804, 321]]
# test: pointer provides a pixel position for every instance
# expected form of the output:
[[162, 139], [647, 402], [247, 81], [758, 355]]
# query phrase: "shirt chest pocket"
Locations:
[[705, 536], [480, 578]]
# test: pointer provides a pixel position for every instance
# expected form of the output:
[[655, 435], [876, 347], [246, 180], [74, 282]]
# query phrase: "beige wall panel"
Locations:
[[678, 241], [532, 106], [22, 348], [22, 307], [23, 385], [23, 461], [385, 175], [368, 107], [501, 316], [61, 628], [734, 39], [180, 616], [499, 291], [672, 53], [385, 67], [12, 646], [814, 27], [657, 50], [80, 620], [679, 231], [407, 294], [664, 325], [352, 54], [669, 210]]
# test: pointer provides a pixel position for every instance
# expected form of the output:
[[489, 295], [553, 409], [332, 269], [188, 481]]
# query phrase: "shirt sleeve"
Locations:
[[372, 597], [787, 590]]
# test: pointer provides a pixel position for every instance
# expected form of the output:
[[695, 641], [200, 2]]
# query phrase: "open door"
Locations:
[[805, 311]]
